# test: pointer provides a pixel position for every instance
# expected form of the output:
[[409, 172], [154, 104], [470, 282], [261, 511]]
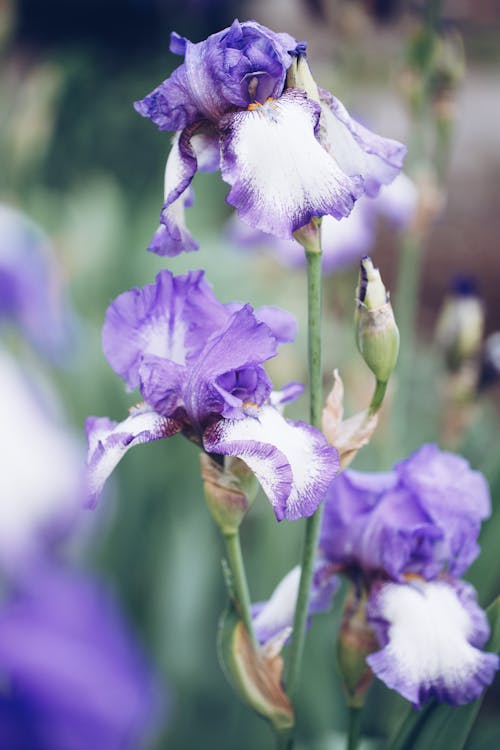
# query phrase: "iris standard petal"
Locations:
[[109, 441], [291, 460], [431, 634], [280, 174]]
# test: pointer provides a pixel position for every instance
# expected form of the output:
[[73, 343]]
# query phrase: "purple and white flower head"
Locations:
[[288, 158], [41, 474], [199, 367], [343, 242], [408, 534], [31, 294], [72, 674]]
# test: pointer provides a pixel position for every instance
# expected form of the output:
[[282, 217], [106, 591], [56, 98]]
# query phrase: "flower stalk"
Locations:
[[239, 580], [313, 523]]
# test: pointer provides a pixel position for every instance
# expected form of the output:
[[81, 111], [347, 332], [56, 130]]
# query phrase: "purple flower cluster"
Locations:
[[287, 157], [406, 536], [198, 366]]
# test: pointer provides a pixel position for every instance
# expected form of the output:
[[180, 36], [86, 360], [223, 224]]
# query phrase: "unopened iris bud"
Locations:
[[356, 641], [377, 334], [460, 326], [299, 76], [230, 490]]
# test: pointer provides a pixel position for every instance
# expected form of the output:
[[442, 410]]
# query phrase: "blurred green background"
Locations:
[[77, 158]]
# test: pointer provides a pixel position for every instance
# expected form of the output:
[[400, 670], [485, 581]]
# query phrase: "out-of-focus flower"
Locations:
[[72, 676], [407, 534], [343, 242], [39, 481], [460, 326], [288, 155], [31, 294], [198, 365]]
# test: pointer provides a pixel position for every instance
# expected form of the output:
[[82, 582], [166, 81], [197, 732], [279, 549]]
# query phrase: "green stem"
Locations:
[[242, 595], [312, 523], [354, 728], [377, 398]]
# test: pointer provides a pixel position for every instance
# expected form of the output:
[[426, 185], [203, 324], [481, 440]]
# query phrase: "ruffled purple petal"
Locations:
[[280, 174], [455, 497], [431, 634], [292, 460], [228, 372], [357, 150], [171, 106], [282, 323], [108, 442], [159, 320]]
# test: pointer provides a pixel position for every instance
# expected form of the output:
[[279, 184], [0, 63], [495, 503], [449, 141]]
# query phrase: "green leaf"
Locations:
[[439, 726]]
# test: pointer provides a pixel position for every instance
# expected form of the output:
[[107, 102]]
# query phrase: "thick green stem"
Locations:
[[312, 523], [239, 580], [354, 727]]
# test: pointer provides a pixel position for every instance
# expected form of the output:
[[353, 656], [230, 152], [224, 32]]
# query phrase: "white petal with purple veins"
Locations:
[[357, 150], [430, 632], [291, 460], [280, 174], [109, 441]]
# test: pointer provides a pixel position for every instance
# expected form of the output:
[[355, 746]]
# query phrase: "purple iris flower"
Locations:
[[198, 366], [73, 678], [343, 242], [40, 481], [286, 157], [409, 533], [31, 294]]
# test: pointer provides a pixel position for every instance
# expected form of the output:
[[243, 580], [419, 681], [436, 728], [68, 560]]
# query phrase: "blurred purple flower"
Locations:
[[409, 533], [31, 294], [198, 366], [72, 676], [41, 474], [287, 158], [343, 242]]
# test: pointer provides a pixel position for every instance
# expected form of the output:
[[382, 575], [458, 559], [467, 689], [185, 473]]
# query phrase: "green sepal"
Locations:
[[254, 673]]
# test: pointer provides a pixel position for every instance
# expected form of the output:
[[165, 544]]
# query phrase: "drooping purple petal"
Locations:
[[292, 460], [74, 676], [431, 634], [280, 175], [359, 151], [109, 441]]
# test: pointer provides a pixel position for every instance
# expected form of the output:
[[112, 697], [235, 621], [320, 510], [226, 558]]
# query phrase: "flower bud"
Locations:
[[460, 326], [299, 76], [377, 334], [229, 490], [254, 673], [356, 641]]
